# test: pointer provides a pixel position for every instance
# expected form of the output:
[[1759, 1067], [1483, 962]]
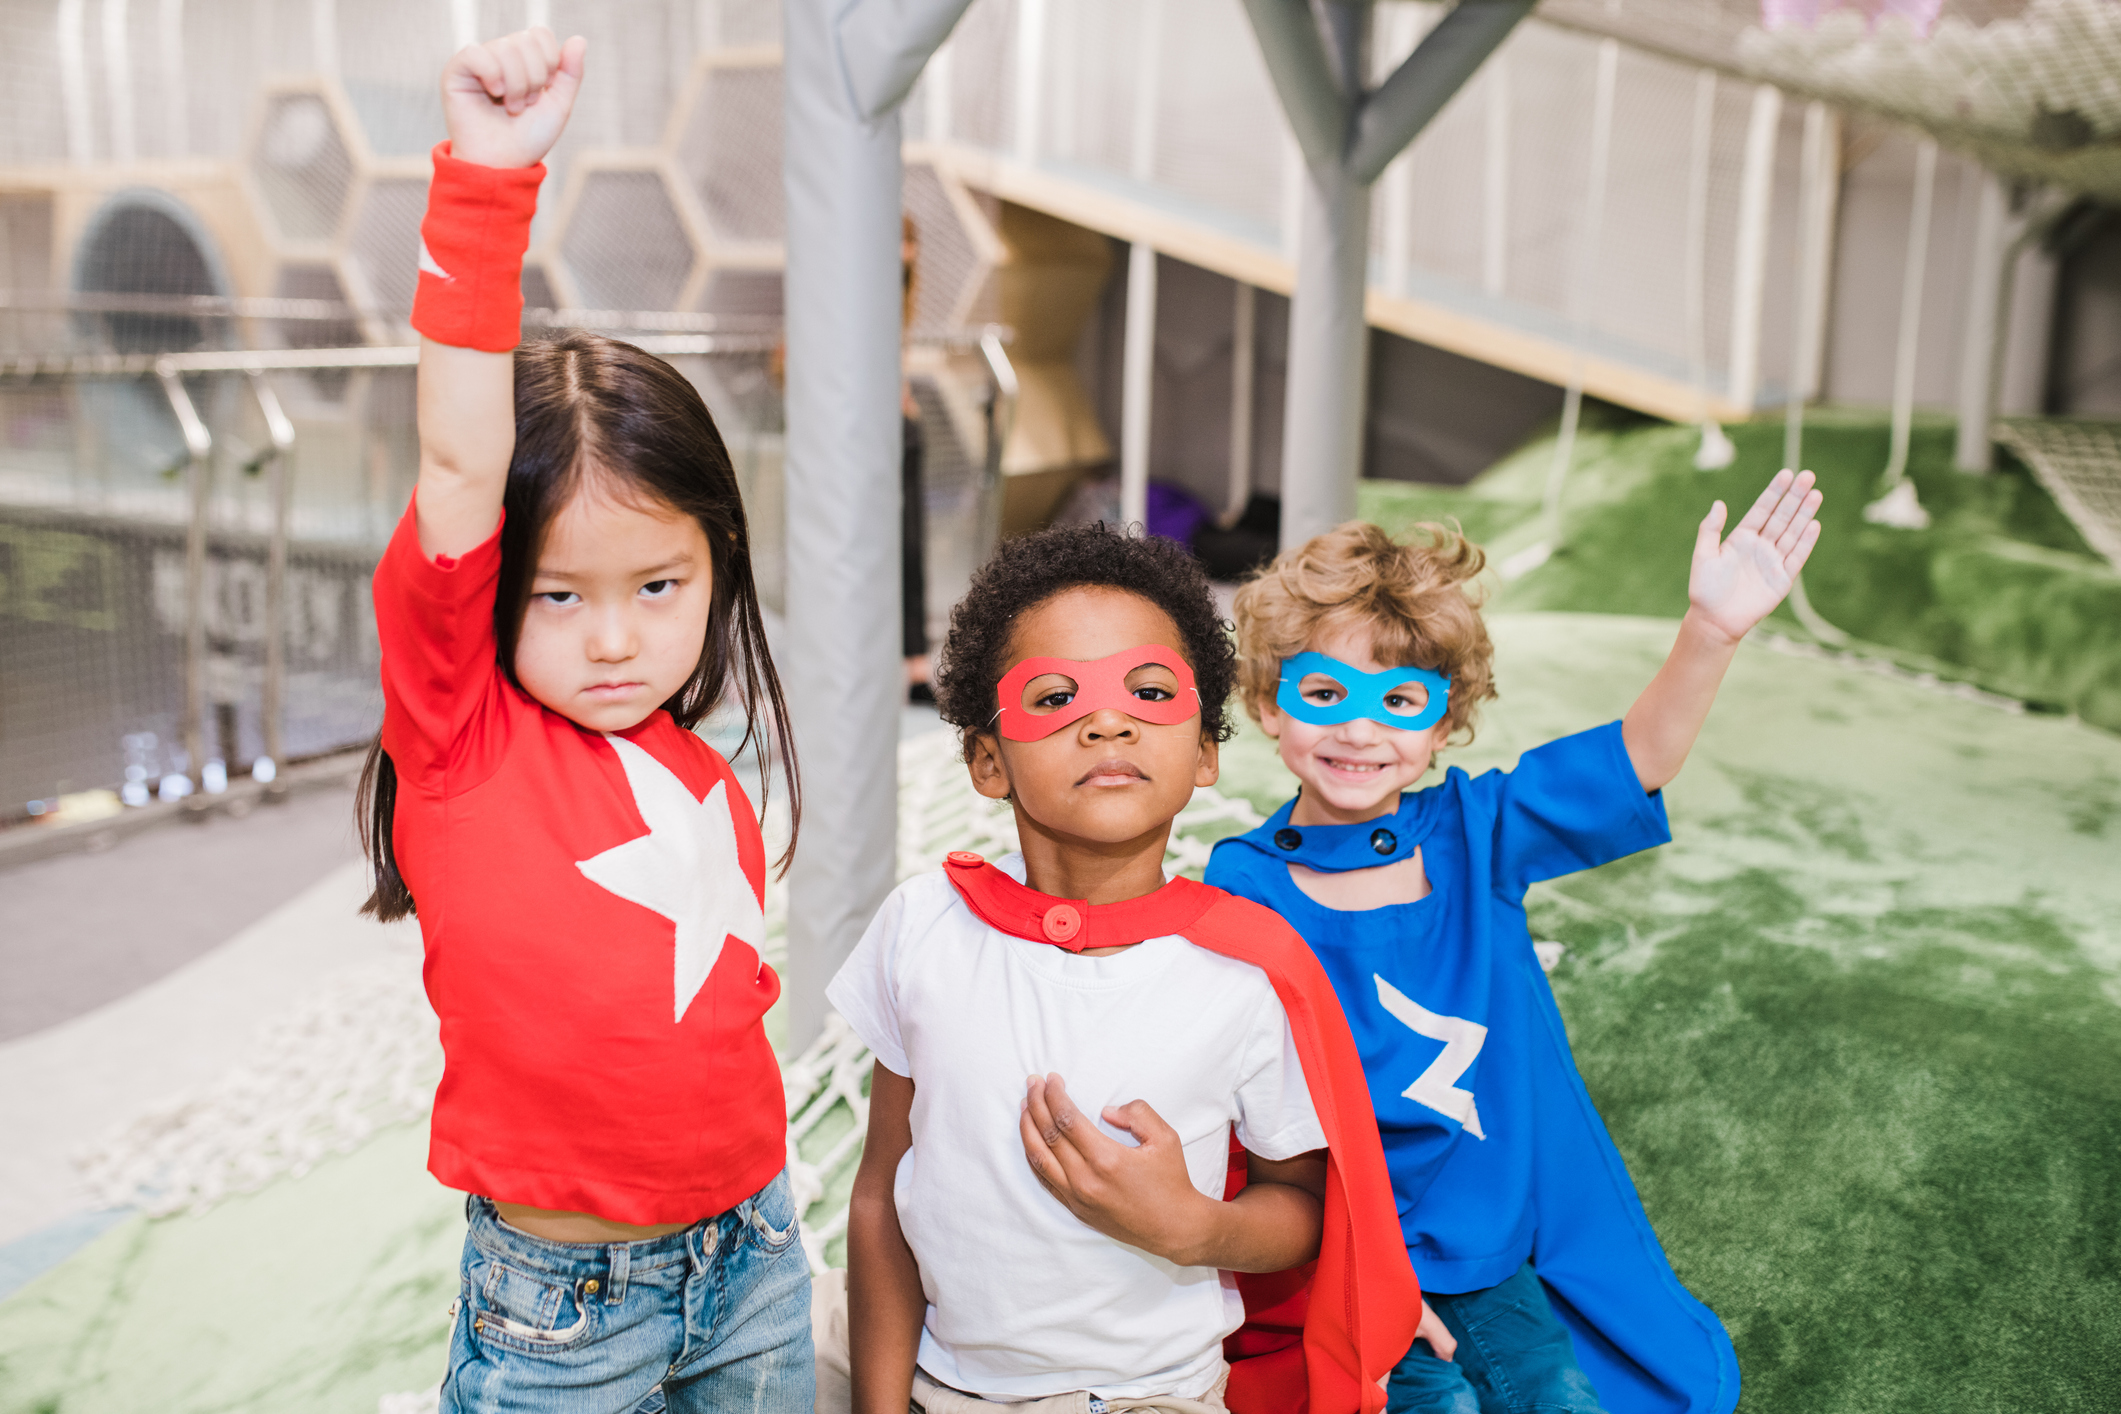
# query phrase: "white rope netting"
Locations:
[[356, 1056], [362, 1052], [2037, 95], [2080, 465]]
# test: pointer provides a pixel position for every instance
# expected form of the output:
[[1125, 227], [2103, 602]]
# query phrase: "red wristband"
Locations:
[[471, 253]]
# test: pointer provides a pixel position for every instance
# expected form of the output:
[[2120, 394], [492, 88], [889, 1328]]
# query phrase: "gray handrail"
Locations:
[[281, 431], [198, 447], [20, 367]]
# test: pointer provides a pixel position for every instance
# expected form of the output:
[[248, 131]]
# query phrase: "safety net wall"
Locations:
[[1614, 196], [200, 178], [218, 176]]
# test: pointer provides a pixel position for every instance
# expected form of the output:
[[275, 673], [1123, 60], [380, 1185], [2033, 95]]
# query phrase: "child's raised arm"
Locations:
[[506, 102], [1734, 584]]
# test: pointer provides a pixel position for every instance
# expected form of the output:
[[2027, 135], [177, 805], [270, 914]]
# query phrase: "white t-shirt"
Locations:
[[1024, 1299]]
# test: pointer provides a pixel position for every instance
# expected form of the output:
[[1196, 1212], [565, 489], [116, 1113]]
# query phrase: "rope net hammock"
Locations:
[[2030, 87], [2079, 462]]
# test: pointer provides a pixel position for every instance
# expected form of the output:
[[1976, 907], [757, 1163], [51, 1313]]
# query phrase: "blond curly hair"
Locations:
[[1418, 597]]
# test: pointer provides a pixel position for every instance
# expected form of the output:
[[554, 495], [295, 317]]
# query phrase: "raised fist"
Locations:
[[507, 100]]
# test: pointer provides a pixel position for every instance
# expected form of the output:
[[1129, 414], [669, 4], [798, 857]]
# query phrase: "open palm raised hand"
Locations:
[[1737, 582], [506, 100]]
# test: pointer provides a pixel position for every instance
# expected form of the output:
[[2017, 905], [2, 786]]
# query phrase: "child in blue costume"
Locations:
[[1364, 657]]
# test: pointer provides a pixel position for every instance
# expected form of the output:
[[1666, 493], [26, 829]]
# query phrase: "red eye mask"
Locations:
[[1098, 685]]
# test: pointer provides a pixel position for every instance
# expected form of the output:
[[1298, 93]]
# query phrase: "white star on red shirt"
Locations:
[[684, 868]]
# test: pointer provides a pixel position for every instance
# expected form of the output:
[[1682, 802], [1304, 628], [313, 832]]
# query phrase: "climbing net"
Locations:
[[2035, 95], [363, 1052], [2080, 465]]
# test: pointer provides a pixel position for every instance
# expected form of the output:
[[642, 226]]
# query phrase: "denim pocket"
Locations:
[[522, 1311], [773, 1216]]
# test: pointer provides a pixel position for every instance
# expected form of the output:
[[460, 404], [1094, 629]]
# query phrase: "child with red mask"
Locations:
[[1073, 1241]]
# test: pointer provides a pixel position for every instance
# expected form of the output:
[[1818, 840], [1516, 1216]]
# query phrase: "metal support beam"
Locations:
[[1312, 99], [198, 448], [1137, 384], [281, 433], [1328, 386], [1244, 362], [1315, 56], [847, 66], [1417, 91], [1328, 378]]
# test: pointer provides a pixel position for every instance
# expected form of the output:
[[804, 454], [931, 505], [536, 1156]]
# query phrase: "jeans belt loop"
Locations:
[[615, 1278]]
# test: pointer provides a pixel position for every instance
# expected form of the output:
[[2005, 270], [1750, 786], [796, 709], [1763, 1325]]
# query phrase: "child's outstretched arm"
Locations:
[[885, 1304], [1143, 1196], [506, 102], [1734, 584]]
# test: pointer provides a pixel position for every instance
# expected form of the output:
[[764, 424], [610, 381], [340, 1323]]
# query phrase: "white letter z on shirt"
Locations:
[[1437, 1087]]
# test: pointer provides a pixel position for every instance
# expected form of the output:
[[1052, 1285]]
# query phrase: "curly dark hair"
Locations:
[[1031, 569]]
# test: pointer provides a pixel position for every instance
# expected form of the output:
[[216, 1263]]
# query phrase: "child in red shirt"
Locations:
[[569, 594]]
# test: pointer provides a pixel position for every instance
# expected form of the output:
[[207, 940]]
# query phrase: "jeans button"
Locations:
[[591, 1286]]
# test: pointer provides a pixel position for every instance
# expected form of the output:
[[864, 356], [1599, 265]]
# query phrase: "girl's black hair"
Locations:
[[1027, 571], [588, 405]]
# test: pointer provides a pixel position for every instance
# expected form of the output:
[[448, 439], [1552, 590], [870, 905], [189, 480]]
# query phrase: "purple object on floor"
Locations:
[[1173, 513]]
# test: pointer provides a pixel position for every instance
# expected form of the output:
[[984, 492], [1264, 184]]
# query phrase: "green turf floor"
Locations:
[[2000, 590], [1858, 1033]]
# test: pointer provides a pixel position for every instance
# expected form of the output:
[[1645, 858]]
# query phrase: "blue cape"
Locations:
[[1496, 1152]]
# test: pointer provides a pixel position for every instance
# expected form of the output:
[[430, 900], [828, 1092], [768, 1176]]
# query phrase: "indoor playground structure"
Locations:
[[1565, 272]]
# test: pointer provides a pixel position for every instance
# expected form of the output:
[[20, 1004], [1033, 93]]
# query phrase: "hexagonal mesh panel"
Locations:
[[625, 247], [385, 249], [389, 52], [730, 151], [743, 294], [140, 247], [318, 282], [954, 286], [735, 22], [301, 166], [537, 288]]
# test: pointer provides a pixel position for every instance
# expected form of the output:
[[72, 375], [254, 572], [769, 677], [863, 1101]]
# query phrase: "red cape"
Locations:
[[1319, 1338]]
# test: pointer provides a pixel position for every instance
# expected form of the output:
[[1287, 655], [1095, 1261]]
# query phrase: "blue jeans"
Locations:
[[714, 1317], [1514, 1356]]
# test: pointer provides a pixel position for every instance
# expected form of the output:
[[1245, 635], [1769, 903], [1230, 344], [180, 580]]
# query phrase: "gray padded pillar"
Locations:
[[848, 65]]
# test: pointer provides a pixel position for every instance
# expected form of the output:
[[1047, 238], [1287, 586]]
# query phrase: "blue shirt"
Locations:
[[1496, 1153]]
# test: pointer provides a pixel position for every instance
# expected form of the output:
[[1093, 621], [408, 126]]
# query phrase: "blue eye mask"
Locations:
[[1363, 694]]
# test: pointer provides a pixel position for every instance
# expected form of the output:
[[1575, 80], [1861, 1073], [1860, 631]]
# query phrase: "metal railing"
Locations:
[[202, 638]]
